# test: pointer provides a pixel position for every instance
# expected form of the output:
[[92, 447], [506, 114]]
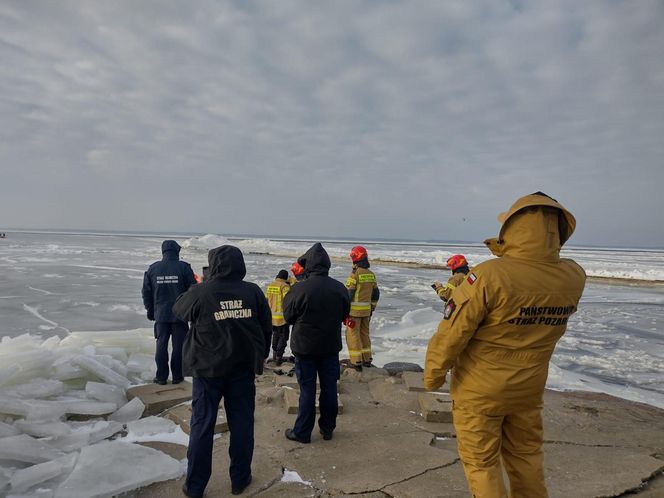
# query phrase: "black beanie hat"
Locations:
[[283, 274]]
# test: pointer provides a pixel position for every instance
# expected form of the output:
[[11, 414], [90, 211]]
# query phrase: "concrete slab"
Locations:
[[436, 407], [176, 451], [181, 415], [366, 375], [158, 398], [285, 380], [386, 392], [448, 481], [413, 381], [292, 402]]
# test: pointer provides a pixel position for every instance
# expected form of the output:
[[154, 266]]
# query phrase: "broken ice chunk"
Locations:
[[43, 429], [140, 362], [106, 392], [131, 411], [5, 476], [101, 371], [8, 430], [24, 479], [150, 426], [39, 388], [133, 466], [76, 407], [103, 430], [24, 448]]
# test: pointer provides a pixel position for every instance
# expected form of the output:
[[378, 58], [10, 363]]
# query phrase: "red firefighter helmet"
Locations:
[[358, 253], [456, 261], [297, 269]]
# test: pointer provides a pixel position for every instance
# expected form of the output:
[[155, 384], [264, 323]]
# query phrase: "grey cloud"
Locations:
[[388, 119]]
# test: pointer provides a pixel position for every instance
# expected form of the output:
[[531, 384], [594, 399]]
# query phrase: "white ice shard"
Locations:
[[43, 429], [8, 430], [131, 466], [71, 442], [38, 388], [101, 371], [67, 371], [23, 448], [141, 362], [106, 392], [31, 408], [149, 426], [37, 493], [132, 341], [22, 480], [5, 476], [103, 430], [81, 407], [131, 411], [118, 353], [86, 433]]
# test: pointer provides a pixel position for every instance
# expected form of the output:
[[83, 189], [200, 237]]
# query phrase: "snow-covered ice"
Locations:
[[129, 412]]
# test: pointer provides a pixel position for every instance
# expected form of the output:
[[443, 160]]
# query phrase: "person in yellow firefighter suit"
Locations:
[[364, 294], [459, 266], [275, 292], [499, 330]]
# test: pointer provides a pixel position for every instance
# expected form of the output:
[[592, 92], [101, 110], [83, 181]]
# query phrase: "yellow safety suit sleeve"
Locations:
[[464, 312]]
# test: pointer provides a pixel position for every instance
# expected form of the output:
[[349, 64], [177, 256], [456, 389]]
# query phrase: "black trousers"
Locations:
[[327, 370], [280, 335], [239, 393], [163, 331]]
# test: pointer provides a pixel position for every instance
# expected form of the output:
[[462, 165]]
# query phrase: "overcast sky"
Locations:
[[419, 119]]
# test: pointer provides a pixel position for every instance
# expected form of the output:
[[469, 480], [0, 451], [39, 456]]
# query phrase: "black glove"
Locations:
[[151, 316]]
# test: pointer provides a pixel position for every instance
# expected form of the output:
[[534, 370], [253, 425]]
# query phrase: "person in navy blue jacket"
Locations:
[[164, 281]]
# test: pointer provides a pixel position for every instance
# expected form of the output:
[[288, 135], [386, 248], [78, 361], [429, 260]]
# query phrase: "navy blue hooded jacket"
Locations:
[[316, 307], [164, 281], [231, 320]]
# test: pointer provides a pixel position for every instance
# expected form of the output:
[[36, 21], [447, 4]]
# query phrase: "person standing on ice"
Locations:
[[364, 294], [224, 351], [459, 266], [498, 333], [276, 292], [164, 281], [316, 307]]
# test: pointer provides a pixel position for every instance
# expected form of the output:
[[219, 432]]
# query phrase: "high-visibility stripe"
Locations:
[[367, 350], [277, 315], [360, 306], [351, 282], [366, 277], [450, 286], [273, 289]]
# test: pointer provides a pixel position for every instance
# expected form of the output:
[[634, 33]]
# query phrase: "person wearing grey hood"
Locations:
[[231, 327], [164, 281]]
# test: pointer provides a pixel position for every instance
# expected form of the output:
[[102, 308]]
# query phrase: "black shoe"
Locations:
[[326, 435], [160, 382], [187, 493], [356, 366], [179, 381], [291, 435], [367, 364], [237, 490]]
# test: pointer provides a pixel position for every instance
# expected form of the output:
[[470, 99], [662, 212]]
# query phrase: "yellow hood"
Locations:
[[535, 227]]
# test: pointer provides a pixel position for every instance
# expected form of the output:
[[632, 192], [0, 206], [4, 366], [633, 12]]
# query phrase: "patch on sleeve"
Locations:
[[471, 278], [449, 309]]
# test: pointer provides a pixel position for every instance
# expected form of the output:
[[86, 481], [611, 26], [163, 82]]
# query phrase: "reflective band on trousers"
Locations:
[[277, 315], [360, 306]]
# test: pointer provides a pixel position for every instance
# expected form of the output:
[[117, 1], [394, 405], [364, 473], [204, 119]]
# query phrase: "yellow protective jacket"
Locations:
[[275, 293], [363, 290], [445, 291], [502, 323]]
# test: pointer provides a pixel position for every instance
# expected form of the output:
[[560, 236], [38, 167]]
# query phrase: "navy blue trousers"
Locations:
[[163, 331], [327, 370], [239, 393]]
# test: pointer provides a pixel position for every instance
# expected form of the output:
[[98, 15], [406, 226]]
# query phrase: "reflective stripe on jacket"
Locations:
[[275, 293], [362, 282], [445, 291]]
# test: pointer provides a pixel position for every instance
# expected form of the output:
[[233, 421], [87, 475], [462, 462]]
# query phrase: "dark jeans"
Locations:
[[280, 339], [306, 369], [239, 393], [163, 331]]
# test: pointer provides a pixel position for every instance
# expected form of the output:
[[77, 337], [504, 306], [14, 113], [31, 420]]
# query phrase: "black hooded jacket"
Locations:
[[164, 281], [316, 307], [231, 319]]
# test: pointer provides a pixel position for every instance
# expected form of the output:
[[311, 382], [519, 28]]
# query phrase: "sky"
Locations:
[[415, 119]]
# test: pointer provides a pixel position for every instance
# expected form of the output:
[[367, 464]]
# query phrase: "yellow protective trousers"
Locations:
[[483, 439], [358, 340]]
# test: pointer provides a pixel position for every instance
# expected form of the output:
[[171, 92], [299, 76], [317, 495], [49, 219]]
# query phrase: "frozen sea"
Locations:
[[54, 283]]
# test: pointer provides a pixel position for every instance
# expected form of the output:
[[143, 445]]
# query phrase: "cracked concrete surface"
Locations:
[[596, 446]]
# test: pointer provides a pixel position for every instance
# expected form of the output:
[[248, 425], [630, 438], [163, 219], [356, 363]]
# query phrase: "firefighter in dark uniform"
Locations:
[[226, 347], [459, 267], [275, 292], [364, 294], [164, 281], [498, 334]]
